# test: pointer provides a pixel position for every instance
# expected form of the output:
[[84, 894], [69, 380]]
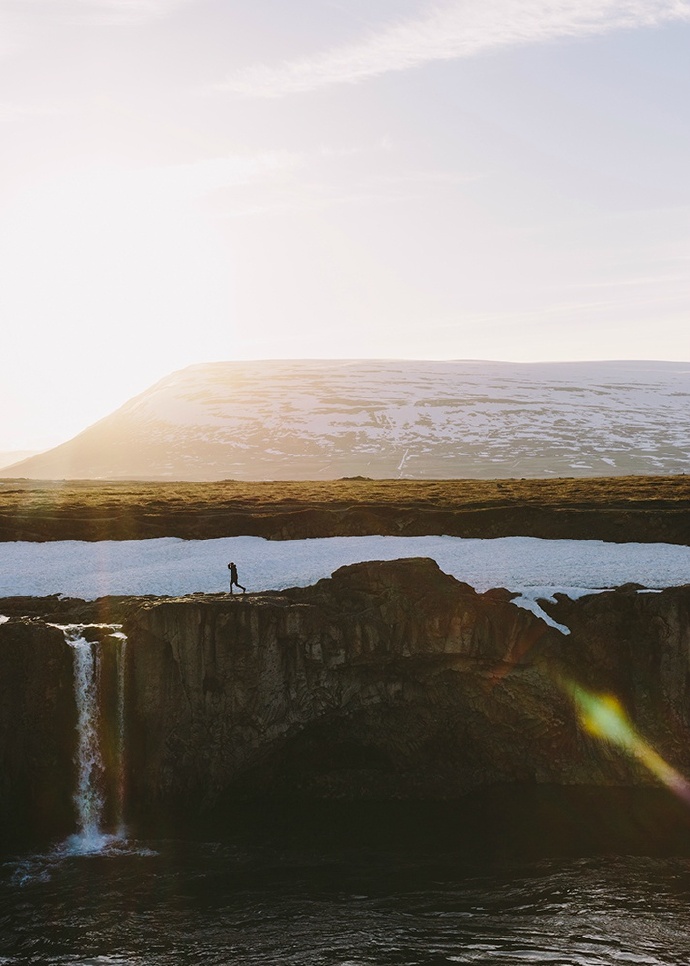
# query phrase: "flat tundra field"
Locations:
[[623, 509]]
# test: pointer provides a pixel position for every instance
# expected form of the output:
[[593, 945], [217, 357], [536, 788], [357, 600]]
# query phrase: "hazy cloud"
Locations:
[[461, 28], [89, 11], [11, 111], [204, 177], [128, 11]]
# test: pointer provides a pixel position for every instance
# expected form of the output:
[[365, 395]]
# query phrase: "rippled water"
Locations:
[[182, 902]]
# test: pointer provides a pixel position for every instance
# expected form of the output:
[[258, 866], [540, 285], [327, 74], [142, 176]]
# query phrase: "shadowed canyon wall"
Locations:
[[391, 680], [37, 726]]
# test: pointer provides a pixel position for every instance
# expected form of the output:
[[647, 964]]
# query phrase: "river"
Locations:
[[165, 902]]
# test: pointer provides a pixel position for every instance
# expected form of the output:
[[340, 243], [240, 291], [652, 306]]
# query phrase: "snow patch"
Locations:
[[527, 603], [533, 568]]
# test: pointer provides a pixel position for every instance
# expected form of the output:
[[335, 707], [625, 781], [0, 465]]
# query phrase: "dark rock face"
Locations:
[[389, 681], [393, 680], [37, 727], [635, 645]]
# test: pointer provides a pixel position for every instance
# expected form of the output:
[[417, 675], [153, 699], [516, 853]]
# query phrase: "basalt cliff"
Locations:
[[388, 681]]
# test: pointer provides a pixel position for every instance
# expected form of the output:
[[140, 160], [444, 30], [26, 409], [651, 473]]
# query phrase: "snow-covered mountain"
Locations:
[[320, 420]]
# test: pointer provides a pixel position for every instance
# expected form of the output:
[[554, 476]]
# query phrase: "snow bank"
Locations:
[[537, 569]]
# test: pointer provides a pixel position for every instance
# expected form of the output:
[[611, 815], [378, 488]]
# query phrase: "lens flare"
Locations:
[[603, 716]]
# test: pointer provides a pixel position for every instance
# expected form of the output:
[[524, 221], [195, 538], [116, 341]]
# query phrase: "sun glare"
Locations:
[[604, 717], [108, 269], [109, 248]]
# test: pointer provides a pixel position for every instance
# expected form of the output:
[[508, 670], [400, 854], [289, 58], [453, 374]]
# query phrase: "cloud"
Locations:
[[100, 12], [462, 28], [187, 182], [201, 178], [126, 11], [16, 112]]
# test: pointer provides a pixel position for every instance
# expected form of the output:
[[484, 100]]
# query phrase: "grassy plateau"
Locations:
[[633, 508]]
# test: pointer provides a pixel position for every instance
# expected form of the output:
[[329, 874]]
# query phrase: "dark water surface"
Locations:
[[164, 901]]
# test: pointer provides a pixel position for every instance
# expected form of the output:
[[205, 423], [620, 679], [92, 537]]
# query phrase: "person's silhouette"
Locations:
[[233, 578]]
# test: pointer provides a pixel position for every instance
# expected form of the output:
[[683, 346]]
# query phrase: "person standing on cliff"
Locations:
[[233, 578]]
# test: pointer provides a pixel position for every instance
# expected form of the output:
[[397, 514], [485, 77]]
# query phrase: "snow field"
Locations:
[[170, 566]]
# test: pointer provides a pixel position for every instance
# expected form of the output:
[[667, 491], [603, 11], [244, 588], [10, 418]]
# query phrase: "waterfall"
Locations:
[[88, 796], [91, 778]]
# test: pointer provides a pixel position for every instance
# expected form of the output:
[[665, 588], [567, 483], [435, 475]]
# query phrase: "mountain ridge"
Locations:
[[317, 419]]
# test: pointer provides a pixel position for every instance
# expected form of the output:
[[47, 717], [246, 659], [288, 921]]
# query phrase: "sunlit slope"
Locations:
[[14, 456], [436, 420]]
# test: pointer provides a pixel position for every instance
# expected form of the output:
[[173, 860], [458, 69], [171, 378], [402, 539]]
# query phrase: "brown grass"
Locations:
[[622, 508]]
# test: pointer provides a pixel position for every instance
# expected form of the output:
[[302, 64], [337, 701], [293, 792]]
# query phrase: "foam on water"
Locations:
[[45, 866]]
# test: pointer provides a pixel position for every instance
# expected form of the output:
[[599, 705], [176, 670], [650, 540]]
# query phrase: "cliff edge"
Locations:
[[388, 681], [394, 680]]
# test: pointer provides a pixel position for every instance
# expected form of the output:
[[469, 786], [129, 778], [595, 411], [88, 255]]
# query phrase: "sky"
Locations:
[[187, 181]]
